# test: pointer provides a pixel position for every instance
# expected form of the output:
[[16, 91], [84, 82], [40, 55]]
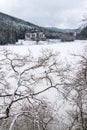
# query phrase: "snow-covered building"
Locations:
[[36, 36], [67, 37]]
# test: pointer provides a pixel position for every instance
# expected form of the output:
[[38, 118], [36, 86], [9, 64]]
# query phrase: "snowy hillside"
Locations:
[[10, 20]]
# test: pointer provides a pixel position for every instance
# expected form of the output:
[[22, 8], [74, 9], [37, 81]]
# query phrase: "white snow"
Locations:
[[65, 48]]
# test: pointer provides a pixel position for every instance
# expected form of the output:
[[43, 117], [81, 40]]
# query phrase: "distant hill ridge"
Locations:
[[16, 22], [62, 30]]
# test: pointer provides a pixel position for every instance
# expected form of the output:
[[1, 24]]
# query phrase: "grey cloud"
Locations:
[[58, 13]]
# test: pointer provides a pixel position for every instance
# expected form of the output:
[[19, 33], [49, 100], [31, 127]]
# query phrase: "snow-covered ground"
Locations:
[[66, 49]]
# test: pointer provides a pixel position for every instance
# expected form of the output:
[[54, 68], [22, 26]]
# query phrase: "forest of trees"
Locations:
[[23, 78]]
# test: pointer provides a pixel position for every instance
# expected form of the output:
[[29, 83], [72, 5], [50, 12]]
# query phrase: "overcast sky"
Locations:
[[54, 13]]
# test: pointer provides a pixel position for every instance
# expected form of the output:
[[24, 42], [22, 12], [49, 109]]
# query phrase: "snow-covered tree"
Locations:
[[22, 79], [75, 89]]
